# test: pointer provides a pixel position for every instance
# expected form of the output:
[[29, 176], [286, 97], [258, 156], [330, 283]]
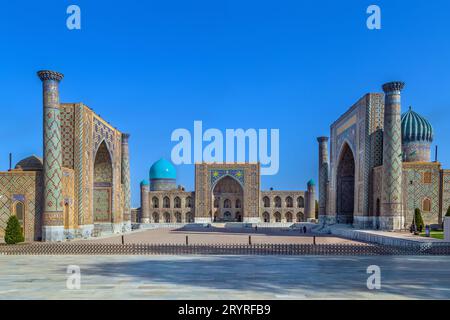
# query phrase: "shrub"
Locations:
[[13, 231], [448, 212], [418, 220]]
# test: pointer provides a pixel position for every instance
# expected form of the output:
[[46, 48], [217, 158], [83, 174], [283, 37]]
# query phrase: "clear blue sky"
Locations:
[[150, 67]]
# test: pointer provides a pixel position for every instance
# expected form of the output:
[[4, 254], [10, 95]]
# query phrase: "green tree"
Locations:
[[448, 212], [418, 220], [13, 231]]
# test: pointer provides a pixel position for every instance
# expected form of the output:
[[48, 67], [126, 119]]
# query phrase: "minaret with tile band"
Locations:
[[323, 176], [126, 182], [391, 202], [53, 218]]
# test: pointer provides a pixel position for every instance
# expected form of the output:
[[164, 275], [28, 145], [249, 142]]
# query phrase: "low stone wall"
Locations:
[[386, 240], [228, 225]]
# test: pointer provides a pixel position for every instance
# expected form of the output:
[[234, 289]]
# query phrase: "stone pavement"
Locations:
[[224, 277], [199, 235]]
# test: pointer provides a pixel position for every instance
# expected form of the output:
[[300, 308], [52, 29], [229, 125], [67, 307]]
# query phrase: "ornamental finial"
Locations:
[[50, 75], [393, 86]]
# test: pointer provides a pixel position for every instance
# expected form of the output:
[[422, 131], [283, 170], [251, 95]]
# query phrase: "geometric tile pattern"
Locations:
[[126, 184], [216, 175], [323, 174], [417, 191], [27, 185], [391, 198], [445, 191], [102, 207], [68, 134], [53, 200]]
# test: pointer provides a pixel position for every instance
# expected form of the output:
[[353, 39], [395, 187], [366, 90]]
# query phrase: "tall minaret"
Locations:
[[145, 205], [391, 201], [126, 182], [323, 177], [53, 217]]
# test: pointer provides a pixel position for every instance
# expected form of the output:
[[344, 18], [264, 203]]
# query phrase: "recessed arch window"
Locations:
[[300, 202], [277, 201], [277, 216], [189, 202], [19, 210], [288, 217], [177, 202], [289, 202], [426, 205], [155, 202], [266, 202], [166, 202], [427, 177], [155, 217], [227, 203], [238, 204]]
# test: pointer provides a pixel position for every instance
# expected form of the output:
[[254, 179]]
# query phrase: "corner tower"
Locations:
[[52, 219], [310, 212], [125, 155], [323, 177], [391, 202]]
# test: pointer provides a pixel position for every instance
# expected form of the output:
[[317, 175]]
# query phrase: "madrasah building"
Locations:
[[226, 192], [81, 186], [378, 169]]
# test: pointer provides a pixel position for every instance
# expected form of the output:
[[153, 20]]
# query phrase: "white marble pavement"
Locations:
[[224, 277]]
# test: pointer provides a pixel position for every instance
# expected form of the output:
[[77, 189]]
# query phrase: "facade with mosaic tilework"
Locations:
[[227, 192], [378, 171], [83, 152]]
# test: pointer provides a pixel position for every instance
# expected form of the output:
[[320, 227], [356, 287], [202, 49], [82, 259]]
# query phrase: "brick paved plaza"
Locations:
[[212, 235]]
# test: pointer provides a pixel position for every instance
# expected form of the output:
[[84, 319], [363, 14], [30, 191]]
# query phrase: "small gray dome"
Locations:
[[32, 163]]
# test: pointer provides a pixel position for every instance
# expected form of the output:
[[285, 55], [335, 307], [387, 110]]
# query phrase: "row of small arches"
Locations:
[[177, 217], [228, 204], [288, 217], [167, 203], [288, 202]]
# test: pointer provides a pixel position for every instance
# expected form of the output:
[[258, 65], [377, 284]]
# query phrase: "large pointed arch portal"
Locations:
[[227, 197], [345, 200], [103, 181]]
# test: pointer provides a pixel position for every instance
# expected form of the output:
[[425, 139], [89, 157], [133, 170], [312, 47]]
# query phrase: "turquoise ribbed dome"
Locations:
[[145, 183], [311, 183], [415, 127], [162, 169]]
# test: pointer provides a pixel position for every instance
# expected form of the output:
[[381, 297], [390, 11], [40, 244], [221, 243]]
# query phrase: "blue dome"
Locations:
[[311, 183], [145, 182], [415, 127], [163, 169]]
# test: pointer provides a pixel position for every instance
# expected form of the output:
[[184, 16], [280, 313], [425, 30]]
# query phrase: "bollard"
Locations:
[[250, 240], [187, 240], [123, 240], [314, 240]]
